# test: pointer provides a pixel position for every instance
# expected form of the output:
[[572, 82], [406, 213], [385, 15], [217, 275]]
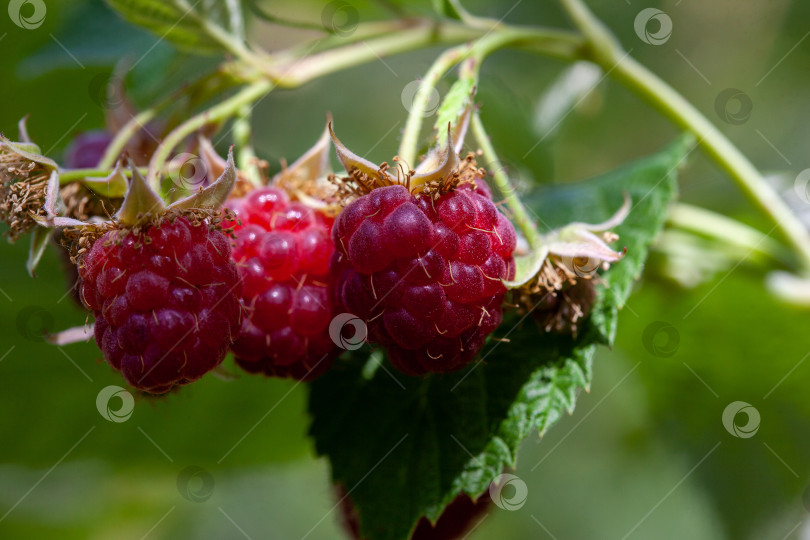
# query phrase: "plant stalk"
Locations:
[[560, 44], [519, 213], [222, 111], [605, 50], [124, 135], [67, 176]]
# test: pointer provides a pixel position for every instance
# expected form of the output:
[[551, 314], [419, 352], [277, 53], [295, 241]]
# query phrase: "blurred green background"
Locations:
[[645, 454]]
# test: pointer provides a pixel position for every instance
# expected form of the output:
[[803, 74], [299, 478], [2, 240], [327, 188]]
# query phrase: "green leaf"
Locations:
[[455, 106], [405, 447], [140, 201], [112, 186], [213, 196], [192, 26], [95, 36]]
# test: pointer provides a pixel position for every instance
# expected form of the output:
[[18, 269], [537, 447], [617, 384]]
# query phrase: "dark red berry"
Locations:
[[283, 250], [87, 149], [424, 274], [456, 520], [165, 299]]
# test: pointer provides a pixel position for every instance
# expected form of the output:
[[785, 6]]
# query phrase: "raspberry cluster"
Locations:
[[424, 273], [165, 299], [283, 250]]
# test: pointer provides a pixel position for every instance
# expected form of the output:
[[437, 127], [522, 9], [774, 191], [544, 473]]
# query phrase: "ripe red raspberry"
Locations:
[[456, 520], [166, 301], [425, 274], [282, 250]]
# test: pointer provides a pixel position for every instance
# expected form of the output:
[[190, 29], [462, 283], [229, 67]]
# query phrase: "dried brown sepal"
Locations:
[[359, 183], [559, 298], [23, 189], [440, 172], [216, 166], [467, 172], [78, 240], [307, 178], [83, 204]]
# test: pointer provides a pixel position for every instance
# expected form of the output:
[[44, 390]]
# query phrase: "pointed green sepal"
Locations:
[[28, 151], [526, 267], [22, 129], [139, 201], [438, 165], [112, 186], [39, 243], [352, 161], [314, 163], [213, 196]]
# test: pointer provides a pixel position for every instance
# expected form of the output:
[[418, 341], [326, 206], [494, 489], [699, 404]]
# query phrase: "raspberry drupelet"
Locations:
[[425, 273], [282, 250], [165, 298]]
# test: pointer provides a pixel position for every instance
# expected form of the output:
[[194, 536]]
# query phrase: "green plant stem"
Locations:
[[556, 43], [519, 213], [119, 142], [725, 229], [363, 32], [605, 50], [217, 113], [67, 176], [302, 70], [234, 44], [245, 155], [413, 126], [720, 149], [296, 72]]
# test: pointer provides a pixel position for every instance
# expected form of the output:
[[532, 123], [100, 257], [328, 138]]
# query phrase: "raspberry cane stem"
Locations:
[[603, 48], [140, 120], [519, 213], [221, 111], [554, 43], [410, 136], [116, 146], [72, 175], [245, 155]]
